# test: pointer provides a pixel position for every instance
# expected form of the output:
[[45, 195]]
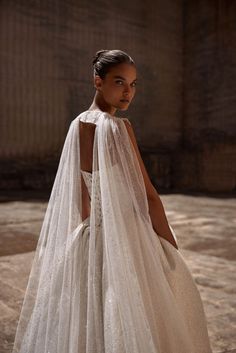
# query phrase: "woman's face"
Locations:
[[119, 86]]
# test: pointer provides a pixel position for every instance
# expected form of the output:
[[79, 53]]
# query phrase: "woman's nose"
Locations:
[[127, 89]]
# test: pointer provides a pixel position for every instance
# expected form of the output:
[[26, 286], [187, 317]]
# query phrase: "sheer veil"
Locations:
[[134, 264]]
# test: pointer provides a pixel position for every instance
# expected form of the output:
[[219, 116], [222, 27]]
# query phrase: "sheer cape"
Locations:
[[141, 268]]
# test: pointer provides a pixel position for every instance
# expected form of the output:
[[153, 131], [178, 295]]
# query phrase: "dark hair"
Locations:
[[104, 59]]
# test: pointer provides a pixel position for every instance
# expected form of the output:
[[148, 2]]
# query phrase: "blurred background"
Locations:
[[184, 116], [186, 95]]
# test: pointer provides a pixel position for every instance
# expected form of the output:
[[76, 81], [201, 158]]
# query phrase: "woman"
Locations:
[[107, 276]]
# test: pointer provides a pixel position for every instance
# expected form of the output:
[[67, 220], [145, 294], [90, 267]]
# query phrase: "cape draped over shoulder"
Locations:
[[129, 267]]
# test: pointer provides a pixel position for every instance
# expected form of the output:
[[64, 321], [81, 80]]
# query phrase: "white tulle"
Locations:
[[109, 283]]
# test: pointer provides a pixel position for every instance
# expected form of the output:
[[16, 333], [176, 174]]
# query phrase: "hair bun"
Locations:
[[98, 54], [105, 59]]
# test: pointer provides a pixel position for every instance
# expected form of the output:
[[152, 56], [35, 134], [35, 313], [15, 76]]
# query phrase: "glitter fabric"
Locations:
[[109, 283]]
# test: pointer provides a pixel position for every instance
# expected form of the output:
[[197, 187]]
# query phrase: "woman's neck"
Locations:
[[99, 103]]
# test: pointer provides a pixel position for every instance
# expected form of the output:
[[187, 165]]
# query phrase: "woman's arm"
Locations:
[[156, 209]]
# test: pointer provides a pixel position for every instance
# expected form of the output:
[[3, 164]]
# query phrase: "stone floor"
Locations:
[[205, 228]]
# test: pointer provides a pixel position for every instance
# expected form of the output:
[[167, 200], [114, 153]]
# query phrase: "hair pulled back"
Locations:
[[104, 59]]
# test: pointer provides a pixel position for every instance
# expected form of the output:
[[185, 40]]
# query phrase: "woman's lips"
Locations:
[[124, 100]]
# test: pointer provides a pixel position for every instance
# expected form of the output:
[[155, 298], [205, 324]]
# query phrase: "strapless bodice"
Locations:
[[88, 179], [87, 176]]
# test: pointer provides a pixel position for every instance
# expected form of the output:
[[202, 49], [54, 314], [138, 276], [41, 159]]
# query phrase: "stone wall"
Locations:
[[205, 158], [209, 101], [46, 52], [183, 112]]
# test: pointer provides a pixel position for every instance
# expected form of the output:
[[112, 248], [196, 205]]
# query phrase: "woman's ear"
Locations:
[[97, 82]]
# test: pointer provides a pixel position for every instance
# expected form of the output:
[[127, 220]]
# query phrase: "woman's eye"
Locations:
[[133, 84], [119, 82]]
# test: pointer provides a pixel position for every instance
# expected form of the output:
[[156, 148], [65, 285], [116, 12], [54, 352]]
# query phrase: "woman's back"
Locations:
[[86, 137], [86, 131]]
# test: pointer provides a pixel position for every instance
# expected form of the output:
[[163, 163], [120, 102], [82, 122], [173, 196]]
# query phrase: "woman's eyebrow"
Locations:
[[117, 76], [122, 78]]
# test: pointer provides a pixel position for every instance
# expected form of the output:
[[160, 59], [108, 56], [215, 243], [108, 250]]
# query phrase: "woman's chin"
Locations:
[[123, 107]]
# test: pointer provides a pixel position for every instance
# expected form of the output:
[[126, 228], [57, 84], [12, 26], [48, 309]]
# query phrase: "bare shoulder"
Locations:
[[86, 125], [86, 129], [86, 132]]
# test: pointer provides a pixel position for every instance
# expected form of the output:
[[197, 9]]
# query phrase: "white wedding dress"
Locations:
[[109, 283]]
